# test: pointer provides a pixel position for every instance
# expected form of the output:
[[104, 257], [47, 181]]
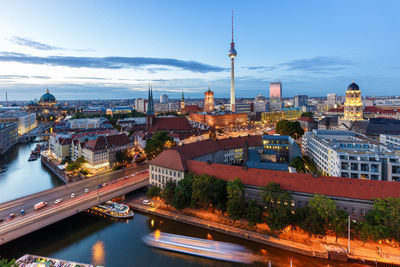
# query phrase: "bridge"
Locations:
[[34, 220]]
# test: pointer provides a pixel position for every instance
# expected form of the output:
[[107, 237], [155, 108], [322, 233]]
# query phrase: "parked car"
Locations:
[[10, 217], [58, 200], [72, 195]]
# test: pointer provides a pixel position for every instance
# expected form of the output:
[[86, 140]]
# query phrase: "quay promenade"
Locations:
[[361, 255]]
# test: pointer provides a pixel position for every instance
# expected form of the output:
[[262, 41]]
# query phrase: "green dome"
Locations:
[[47, 97]]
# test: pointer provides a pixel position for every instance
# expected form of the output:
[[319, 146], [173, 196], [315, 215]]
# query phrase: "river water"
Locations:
[[99, 240]]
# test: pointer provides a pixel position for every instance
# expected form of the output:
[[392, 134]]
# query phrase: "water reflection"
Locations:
[[19, 178], [98, 253]]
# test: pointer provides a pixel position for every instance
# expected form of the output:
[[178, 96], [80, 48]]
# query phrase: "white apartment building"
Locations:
[[390, 140], [26, 121], [347, 154], [84, 123]]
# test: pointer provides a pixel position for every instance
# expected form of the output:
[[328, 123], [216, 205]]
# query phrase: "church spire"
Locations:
[[150, 103]]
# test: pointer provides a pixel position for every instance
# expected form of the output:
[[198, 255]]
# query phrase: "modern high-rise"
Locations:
[[232, 54], [275, 96], [141, 105], [300, 101], [164, 98], [208, 101], [260, 104]]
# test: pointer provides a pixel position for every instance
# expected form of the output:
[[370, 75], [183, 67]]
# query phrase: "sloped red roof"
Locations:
[[306, 183], [170, 124], [307, 119], [102, 142], [194, 150], [191, 109], [170, 159]]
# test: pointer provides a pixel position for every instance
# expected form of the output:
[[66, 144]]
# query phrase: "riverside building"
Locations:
[[214, 157], [347, 154], [8, 136]]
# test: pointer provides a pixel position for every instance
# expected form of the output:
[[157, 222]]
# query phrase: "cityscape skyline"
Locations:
[[105, 53]]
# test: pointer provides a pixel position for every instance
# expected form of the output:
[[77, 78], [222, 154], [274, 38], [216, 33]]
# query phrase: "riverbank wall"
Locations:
[[233, 231], [323, 252], [54, 169]]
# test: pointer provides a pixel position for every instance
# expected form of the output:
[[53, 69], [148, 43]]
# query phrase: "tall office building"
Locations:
[[300, 101], [209, 101], [275, 96], [164, 98], [232, 54], [141, 105], [331, 100]]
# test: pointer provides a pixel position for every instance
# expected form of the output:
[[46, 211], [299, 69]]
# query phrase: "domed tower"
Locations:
[[232, 54], [209, 101], [353, 106], [47, 99]]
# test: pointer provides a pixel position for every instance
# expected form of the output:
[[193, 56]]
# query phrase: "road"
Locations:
[[64, 192], [34, 220]]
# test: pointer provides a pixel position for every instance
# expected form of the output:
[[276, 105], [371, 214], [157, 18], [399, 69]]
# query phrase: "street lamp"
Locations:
[[348, 235]]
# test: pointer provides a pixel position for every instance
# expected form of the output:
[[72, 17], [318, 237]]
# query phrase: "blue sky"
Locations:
[[114, 49]]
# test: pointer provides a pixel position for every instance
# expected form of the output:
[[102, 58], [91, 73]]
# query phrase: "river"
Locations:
[[99, 240]]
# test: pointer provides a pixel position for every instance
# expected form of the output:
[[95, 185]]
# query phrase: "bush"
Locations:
[[153, 191]]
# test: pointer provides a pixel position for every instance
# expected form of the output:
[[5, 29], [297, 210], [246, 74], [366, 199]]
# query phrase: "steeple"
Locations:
[[182, 102], [150, 103]]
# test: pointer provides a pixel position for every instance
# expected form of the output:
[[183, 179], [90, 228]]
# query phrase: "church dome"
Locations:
[[353, 87], [47, 97]]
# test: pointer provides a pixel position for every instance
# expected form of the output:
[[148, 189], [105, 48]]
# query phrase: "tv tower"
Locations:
[[232, 54]]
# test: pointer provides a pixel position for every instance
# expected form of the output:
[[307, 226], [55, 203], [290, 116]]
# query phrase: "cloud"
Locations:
[[317, 64], [11, 77], [266, 68], [33, 44], [108, 62]]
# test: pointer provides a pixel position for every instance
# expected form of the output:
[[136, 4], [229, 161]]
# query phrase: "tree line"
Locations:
[[319, 217]]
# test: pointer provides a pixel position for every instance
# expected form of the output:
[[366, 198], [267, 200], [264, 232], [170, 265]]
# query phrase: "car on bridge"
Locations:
[[72, 195], [86, 190], [10, 217], [58, 200]]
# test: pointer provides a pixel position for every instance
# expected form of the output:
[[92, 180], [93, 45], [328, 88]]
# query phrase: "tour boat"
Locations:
[[199, 247], [113, 209], [29, 260]]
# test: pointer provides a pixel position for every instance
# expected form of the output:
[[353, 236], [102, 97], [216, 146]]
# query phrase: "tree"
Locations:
[[156, 144], [339, 224], [167, 194], [7, 263], [293, 129], [307, 114], [153, 191], [278, 204], [202, 190], [179, 200], [123, 156], [253, 213], [235, 205], [183, 193], [220, 194], [298, 164], [318, 215], [308, 220]]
